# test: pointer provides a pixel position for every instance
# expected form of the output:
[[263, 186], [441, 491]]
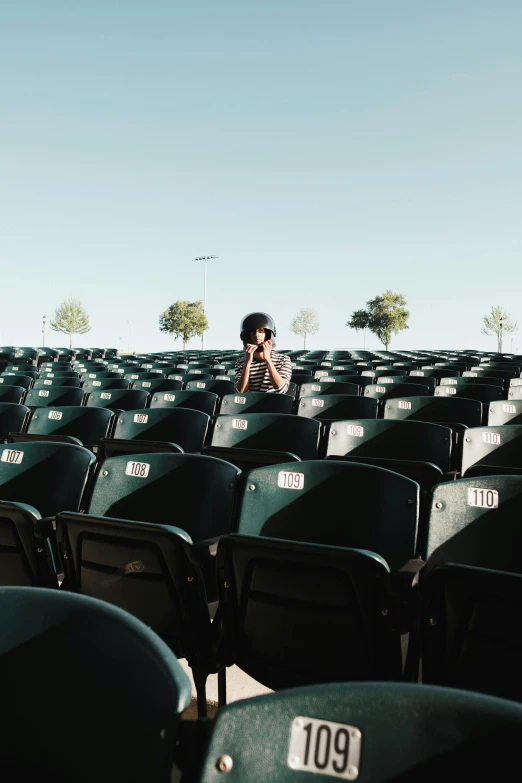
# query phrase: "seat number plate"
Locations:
[[509, 408], [48, 383], [324, 748], [482, 498], [491, 437], [239, 424], [380, 389], [450, 390], [55, 415], [96, 383], [404, 405], [201, 385], [169, 397], [146, 384], [288, 480], [43, 393], [139, 469], [11, 456], [240, 400], [356, 430], [317, 402], [105, 395], [141, 418]]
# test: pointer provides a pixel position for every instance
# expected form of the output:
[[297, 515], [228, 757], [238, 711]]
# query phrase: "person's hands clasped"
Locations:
[[266, 353]]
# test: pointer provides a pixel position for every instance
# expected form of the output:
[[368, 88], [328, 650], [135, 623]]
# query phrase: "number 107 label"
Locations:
[[324, 748]]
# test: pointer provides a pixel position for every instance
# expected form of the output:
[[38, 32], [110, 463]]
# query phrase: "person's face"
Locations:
[[257, 336]]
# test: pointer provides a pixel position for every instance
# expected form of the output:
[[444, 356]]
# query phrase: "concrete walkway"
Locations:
[[239, 686]]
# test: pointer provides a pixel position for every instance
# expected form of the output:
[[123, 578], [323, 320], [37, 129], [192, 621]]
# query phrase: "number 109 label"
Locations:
[[324, 748], [288, 480]]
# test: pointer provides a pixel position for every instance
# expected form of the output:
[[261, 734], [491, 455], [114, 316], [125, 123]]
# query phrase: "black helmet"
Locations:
[[254, 321]]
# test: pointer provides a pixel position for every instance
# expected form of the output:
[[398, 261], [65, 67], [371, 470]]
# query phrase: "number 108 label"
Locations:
[[324, 748]]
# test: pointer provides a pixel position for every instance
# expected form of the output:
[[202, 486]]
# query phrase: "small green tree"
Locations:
[[385, 315], [185, 320], [305, 322], [70, 317], [497, 323]]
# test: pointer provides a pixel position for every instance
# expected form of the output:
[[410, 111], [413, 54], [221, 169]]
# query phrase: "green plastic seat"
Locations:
[[319, 388], [391, 378], [118, 399], [296, 613], [105, 383], [158, 384], [13, 418], [372, 732], [26, 381], [502, 412], [387, 391], [54, 396], [492, 450], [157, 429], [264, 439], [330, 407], [62, 654], [435, 372], [255, 402], [197, 400], [439, 410], [12, 394], [74, 424], [484, 393], [336, 504], [44, 383], [37, 480], [212, 385], [471, 637], [144, 544], [185, 377]]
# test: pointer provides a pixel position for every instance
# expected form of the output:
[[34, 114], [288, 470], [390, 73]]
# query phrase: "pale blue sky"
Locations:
[[325, 150]]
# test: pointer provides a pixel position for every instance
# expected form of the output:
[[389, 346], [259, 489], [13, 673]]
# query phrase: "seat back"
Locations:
[[54, 396], [332, 407], [372, 732], [502, 412], [295, 613], [64, 651], [197, 400], [492, 450], [320, 388], [268, 431], [472, 392], [143, 487], [183, 426], [122, 399], [217, 387], [380, 391], [157, 385], [255, 402], [105, 383], [26, 381], [435, 409], [334, 503], [44, 383], [475, 521], [392, 439], [89, 425]]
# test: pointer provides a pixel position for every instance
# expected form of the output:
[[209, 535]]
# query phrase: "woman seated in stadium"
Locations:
[[261, 368]]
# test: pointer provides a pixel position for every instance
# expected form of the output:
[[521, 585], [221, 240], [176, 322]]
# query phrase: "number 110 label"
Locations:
[[324, 748]]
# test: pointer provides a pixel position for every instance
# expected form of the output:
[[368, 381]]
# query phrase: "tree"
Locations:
[[305, 322], [385, 315], [497, 323], [70, 317], [185, 320]]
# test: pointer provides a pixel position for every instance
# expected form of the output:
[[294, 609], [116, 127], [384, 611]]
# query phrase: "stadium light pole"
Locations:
[[43, 331], [205, 259], [501, 324]]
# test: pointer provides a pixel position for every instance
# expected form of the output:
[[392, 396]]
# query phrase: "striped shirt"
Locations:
[[259, 378]]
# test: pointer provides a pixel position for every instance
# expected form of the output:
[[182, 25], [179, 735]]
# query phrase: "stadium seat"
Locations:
[[74, 424], [105, 383], [185, 377], [197, 400], [485, 393], [501, 412], [319, 388], [373, 732], [16, 380], [296, 613], [126, 550], [387, 391], [332, 407], [471, 638], [75, 712], [14, 394], [118, 399], [44, 383], [255, 402], [37, 480], [13, 418], [156, 429], [455, 412], [216, 387], [264, 439], [157, 385], [54, 396], [344, 504], [492, 450]]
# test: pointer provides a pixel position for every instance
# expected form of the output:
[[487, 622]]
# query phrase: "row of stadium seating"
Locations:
[[122, 692]]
